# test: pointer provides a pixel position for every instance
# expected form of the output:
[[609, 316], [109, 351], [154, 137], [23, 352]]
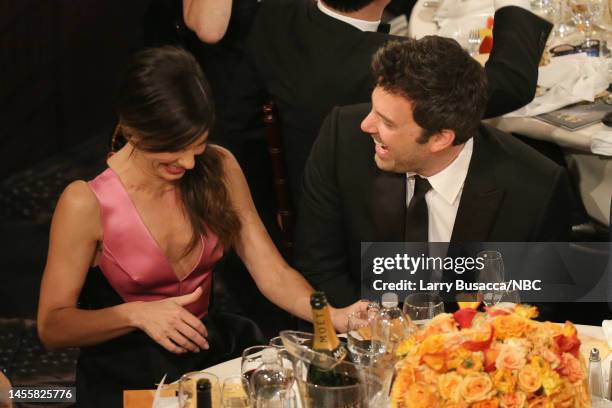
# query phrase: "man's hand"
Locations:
[[340, 316]]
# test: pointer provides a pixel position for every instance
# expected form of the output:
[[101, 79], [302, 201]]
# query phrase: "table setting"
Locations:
[[489, 353]]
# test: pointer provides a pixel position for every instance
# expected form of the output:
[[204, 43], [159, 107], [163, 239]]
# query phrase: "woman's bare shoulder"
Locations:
[[227, 158], [79, 200]]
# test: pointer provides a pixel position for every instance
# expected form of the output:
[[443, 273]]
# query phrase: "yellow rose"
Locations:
[[475, 387], [514, 400], [540, 402], [404, 378], [510, 358], [448, 386], [539, 364], [433, 344], [526, 311], [510, 326], [565, 397], [551, 382], [406, 346], [504, 381], [529, 379]]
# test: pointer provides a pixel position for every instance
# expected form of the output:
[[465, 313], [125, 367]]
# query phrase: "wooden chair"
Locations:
[[285, 213]]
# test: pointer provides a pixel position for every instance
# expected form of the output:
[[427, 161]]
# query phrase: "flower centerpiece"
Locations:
[[499, 358]]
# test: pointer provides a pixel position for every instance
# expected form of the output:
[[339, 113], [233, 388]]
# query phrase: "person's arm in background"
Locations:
[[276, 280], [519, 38], [207, 18], [321, 253]]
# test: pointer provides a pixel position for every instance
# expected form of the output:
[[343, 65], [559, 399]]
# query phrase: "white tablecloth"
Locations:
[[592, 173]]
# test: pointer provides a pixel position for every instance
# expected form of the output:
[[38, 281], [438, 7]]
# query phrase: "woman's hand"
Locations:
[[169, 324], [340, 316]]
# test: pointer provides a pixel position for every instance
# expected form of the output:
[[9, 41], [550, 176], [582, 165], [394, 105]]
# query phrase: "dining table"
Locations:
[[590, 336], [591, 172]]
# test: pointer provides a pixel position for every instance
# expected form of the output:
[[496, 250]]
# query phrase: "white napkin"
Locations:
[[601, 143], [570, 79], [164, 402], [456, 9]]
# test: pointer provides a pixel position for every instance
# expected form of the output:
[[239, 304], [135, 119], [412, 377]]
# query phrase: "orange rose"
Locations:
[[529, 379], [476, 387], [426, 375], [448, 386], [540, 364], [404, 378], [565, 397], [540, 402], [421, 395], [436, 362], [465, 361], [490, 403], [510, 326], [514, 400], [510, 358], [504, 381], [549, 356], [451, 404], [571, 368]]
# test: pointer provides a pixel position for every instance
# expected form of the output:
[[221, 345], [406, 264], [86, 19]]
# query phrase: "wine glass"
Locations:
[[559, 18], [196, 385], [252, 359], [359, 337], [585, 13], [422, 307], [235, 392], [492, 275]]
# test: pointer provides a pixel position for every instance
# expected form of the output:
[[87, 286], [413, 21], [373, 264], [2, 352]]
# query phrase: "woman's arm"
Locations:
[[207, 18], [280, 283], [75, 232]]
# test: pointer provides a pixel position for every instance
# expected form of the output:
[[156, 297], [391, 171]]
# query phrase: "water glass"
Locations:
[[491, 273], [359, 337], [188, 389], [235, 393], [422, 307]]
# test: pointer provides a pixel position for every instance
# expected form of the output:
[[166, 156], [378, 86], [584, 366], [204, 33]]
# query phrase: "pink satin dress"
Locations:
[[131, 260]]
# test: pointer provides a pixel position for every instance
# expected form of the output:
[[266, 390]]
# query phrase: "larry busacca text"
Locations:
[[457, 286]]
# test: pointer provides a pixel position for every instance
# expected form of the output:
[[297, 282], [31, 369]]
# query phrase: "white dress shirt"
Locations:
[[363, 25], [445, 194]]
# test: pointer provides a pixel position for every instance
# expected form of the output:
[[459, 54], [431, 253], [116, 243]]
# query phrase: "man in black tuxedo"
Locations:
[[310, 56], [417, 165]]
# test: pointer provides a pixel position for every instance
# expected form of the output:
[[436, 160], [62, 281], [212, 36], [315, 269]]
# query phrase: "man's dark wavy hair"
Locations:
[[347, 6], [447, 87]]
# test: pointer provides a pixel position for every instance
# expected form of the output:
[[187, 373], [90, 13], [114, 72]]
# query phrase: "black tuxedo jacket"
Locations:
[[511, 193], [309, 62]]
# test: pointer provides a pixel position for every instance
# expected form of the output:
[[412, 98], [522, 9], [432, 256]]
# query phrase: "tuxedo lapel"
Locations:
[[480, 199], [388, 205]]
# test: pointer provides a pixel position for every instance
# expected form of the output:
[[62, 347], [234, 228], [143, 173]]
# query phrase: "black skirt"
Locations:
[[135, 361]]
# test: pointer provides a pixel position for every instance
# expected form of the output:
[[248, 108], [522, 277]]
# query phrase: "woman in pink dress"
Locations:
[[152, 226]]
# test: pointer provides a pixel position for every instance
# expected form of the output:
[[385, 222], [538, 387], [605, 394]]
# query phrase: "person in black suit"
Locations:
[[311, 56], [420, 142]]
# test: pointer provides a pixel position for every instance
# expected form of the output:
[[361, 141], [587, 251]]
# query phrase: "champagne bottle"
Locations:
[[326, 341]]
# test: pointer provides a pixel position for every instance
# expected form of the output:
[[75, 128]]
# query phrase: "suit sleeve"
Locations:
[[320, 244], [244, 119], [553, 222], [519, 38]]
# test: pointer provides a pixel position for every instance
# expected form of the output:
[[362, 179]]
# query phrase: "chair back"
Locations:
[[285, 212]]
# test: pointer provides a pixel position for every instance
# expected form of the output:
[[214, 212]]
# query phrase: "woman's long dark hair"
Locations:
[[166, 100]]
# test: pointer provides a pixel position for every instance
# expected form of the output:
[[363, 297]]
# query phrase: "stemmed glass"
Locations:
[[422, 307], [562, 28], [585, 13], [235, 392], [491, 273]]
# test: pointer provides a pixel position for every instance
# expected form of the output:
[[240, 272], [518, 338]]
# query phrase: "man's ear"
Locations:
[[441, 140]]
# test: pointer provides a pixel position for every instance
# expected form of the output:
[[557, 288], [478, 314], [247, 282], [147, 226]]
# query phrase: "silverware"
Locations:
[[473, 41]]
